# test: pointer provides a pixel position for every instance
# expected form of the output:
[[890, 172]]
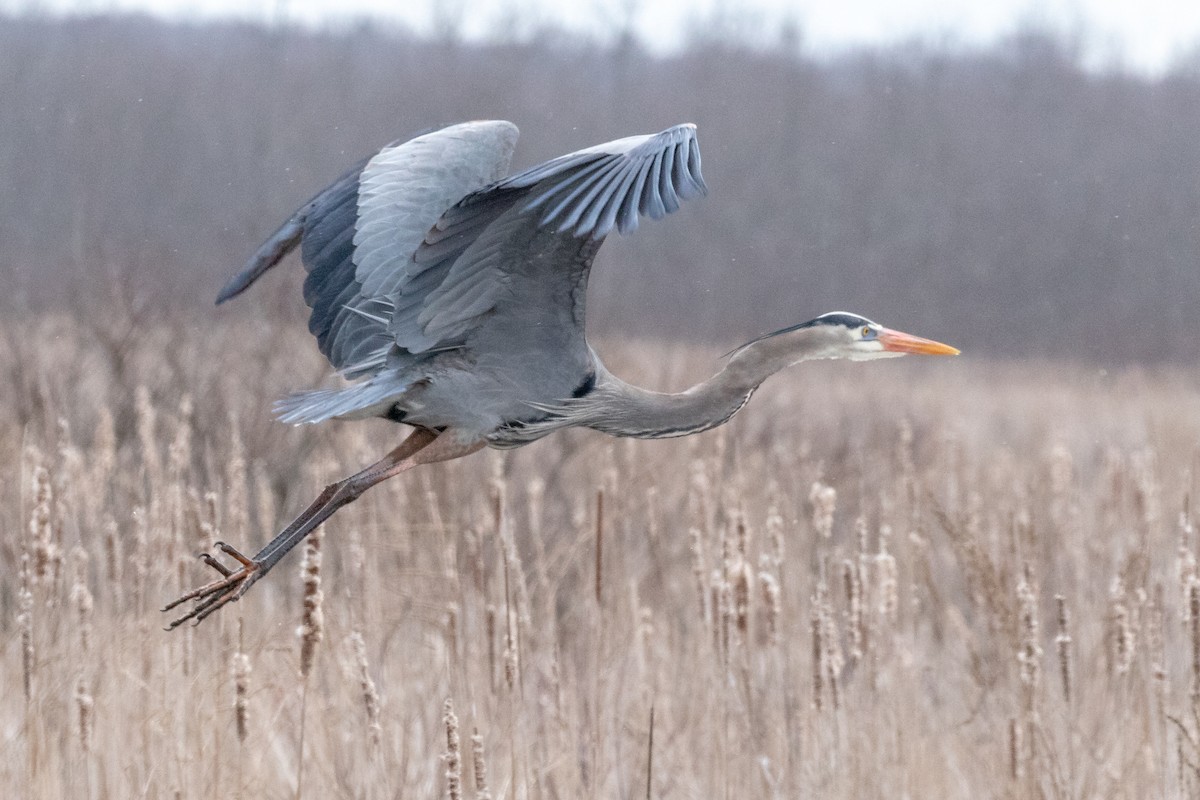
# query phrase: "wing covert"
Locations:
[[499, 235]]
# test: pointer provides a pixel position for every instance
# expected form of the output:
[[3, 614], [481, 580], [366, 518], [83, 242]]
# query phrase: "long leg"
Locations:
[[422, 447]]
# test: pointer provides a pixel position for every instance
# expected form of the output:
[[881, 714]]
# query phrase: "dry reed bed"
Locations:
[[933, 579]]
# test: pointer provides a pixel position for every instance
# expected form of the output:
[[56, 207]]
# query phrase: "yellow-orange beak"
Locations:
[[897, 342]]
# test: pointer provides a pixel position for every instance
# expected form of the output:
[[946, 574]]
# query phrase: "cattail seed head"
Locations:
[[1194, 605], [1062, 645], [824, 502], [84, 706], [769, 590], [239, 670], [1124, 637], [1029, 653], [1185, 563], [453, 754], [46, 554], [147, 430], [25, 624], [774, 528], [312, 628], [477, 758], [741, 579], [81, 597], [853, 586], [699, 570], [887, 579], [370, 694]]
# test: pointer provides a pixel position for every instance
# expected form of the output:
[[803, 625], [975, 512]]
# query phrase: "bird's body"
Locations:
[[456, 297], [453, 300]]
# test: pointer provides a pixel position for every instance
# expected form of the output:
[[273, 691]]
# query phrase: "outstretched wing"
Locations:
[[424, 248], [358, 235], [522, 247]]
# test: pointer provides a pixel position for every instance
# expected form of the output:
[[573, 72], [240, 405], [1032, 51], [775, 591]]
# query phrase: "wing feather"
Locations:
[[486, 241], [424, 247]]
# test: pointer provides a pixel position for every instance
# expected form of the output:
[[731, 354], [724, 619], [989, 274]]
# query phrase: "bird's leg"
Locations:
[[422, 447]]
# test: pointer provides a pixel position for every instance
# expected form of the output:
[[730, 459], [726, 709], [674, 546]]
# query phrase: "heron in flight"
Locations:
[[452, 299]]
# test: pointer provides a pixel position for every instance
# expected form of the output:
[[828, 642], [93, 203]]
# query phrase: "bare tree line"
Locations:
[[1007, 199]]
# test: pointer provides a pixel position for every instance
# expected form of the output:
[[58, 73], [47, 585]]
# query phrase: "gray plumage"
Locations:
[[453, 296], [453, 299]]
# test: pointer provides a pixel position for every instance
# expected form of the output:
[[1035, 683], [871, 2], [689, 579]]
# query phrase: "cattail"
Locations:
[[515, 574], [824, 502], [535, 494], [1029, 653], [599, 545], [818, 651], [887, 580], [1194, 605], [1062, 645], [827, 652], [147, 419], [1124, 638], [477, 758], [81, 597], [904, 455], [46, 555], [1156, 644], [723, 608], [698, 569], [312, 628], [370, 694], [453, 756], [489, 625], [452, 629], [853, 586], [741, 579], [510, 660], [1062, 470], [104, 448], [774, 528], [1185, 562], [1016, 762], [832, 654], [699, 491], [239, 670], [112, 559], [769, 590], [25, 624], [70, 461], [84, 706], [646, 634]]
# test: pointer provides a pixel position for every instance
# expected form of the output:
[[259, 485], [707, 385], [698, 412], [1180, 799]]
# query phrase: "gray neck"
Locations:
[[621, 409]]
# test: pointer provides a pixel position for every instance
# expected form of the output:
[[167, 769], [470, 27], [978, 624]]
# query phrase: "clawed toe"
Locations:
[[210, 597]]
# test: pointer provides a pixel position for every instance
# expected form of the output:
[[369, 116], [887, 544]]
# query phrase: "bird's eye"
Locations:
[[867, 333]]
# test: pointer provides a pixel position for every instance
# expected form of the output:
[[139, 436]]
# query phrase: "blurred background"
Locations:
[[1025, 185]]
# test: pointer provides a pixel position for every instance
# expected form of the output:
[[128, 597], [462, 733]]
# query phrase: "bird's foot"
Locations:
[[232, 584]]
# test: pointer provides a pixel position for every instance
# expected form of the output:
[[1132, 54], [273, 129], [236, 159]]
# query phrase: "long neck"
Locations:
[[621, 409]]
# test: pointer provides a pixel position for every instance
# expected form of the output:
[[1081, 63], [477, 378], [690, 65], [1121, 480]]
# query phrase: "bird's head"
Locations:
[[859, 339], [840, 334]]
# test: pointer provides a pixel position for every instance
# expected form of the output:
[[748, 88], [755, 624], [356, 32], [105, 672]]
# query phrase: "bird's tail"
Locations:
[[370, 398]]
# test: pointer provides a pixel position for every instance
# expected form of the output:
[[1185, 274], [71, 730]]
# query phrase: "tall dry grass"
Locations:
[[925, 579]]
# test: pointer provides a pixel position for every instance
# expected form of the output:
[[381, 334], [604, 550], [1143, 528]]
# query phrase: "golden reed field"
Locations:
[[925, 579]]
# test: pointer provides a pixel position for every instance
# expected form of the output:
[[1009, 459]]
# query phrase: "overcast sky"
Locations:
[[1144, 34]]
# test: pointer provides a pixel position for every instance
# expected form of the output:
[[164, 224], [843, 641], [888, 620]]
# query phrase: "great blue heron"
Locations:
[[453, 298]]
